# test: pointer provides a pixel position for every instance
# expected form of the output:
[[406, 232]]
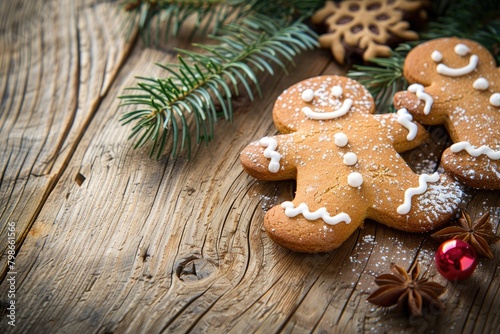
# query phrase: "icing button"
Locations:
[[495, 99], [350, 159], [355, 179], [340, 139], [481, 84]]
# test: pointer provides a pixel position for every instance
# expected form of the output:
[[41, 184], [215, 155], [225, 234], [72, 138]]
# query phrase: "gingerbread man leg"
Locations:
[[426, 202], [304, 235]]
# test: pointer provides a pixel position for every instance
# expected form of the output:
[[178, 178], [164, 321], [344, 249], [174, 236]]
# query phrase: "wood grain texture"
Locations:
[[57, 59], [118, 243]]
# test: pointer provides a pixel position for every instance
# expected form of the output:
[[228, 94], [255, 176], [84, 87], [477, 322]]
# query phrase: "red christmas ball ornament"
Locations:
[[456, 260]]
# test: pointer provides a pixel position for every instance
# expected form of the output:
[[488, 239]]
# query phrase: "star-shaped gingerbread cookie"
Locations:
[[456, 82], [347, 167]]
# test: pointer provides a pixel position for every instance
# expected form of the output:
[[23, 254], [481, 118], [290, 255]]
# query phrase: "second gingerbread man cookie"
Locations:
[[347, 167], [455, 82]]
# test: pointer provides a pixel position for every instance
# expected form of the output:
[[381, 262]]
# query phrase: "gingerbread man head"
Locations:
[[346, 163], [456, 82]]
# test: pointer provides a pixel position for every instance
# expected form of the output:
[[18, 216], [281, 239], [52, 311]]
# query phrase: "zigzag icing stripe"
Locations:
[[405, 119], [410, 192], [270, 152], [418, 89], [292, 211], [475, 152]]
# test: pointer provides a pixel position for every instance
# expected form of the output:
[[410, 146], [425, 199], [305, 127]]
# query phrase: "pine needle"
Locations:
[[200, 82]]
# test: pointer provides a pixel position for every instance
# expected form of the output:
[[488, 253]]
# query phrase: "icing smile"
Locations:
[[346, 106], [456, 72]]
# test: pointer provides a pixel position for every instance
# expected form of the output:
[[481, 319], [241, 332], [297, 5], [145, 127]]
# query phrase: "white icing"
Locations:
[[346, 106], [410, 192], [418, 89], [436, 56], [481, 84], [456, 72], [337, 91], [405, 119], [350, 159], [475, 152], [355, 179], [307, 95], [292, 211], [495, 99], [340, 139], [461, 49], [270, 152]]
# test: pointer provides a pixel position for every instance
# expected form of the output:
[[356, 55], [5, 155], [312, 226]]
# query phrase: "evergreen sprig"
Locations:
[[385, 78], [202, 82], [209, 15]]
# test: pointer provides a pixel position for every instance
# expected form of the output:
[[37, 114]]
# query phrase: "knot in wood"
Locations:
[[195, 269]]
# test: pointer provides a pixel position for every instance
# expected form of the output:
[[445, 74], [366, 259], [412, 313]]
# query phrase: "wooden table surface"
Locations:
[[110, 241]]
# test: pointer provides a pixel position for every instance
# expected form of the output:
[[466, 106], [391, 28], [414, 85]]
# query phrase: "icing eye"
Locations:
[[461, 49], [436, 56], [495, 99], [337, 91], [307, 95], [481, 84]]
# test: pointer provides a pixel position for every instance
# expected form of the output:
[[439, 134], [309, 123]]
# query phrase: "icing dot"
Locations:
[[340, 139], [308, 95], [355, 179], [495, 99], [337, 91], [461, 49], [481, 84], [350, 159], [436, 56]]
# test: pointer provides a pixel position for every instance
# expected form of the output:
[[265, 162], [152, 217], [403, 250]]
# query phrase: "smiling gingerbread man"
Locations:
[[346, 163], [456, 82]]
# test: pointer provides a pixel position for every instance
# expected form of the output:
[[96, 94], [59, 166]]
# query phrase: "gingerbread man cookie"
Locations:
[[456, 82], [346, 163]]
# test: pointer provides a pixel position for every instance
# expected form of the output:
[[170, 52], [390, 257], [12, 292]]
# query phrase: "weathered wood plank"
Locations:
[[135, 221], [57, 59], [127, 244]]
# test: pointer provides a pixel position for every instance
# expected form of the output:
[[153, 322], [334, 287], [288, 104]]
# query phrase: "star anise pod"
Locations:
[[478, 234], [407, 290]]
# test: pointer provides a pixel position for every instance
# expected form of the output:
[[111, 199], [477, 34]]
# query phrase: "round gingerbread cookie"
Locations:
[[456, 82], [347, 167]]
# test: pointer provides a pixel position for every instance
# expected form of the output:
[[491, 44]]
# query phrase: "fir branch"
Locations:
[[201, 81], [209, 15], [384, 78]]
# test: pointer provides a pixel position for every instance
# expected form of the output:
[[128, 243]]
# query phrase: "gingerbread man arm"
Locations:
[[265, 159], [406, 133], [423, 103]]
